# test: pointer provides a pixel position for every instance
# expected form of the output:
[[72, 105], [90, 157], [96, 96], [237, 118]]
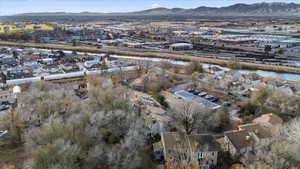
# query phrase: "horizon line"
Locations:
[[115, 12]]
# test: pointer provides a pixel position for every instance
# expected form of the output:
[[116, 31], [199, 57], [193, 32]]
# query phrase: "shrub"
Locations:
[[194, 67], [162, 100]]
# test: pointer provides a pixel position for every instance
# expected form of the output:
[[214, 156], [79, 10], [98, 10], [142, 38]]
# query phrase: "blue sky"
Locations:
[[9, 7]]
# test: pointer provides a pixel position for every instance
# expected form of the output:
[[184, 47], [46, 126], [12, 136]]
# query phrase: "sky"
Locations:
[[10, 7]]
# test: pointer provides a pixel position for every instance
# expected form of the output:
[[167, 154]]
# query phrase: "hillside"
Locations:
[[257, 9]]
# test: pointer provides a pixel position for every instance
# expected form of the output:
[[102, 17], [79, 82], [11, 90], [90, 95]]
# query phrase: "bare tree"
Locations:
[[63, 131], [281, 152], [292, 131], [189, 118]]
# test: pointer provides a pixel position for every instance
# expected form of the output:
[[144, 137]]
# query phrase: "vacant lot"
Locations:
[[31, 27]]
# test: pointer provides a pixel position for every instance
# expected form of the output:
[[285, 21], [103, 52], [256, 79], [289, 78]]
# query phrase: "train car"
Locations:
[[64, 76], [22, 81]]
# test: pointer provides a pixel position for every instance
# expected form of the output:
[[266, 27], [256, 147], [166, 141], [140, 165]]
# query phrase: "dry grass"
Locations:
[[244, 65], [31, 27], [12, 155]]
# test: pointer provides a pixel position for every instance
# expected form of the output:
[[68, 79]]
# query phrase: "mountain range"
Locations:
[[257, 9]]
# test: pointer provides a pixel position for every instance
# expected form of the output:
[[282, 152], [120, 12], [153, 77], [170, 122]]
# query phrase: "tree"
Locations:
[[60, 154], [281, 152], [121, 142], [268, 48], [292, 131], [108, 97], [13, 122], [189, 118], [162, 101], [281, 51], [234, 63], [74, 42], [261, 96], [194, 67], [195, 78], [177, 164], [63, 131]]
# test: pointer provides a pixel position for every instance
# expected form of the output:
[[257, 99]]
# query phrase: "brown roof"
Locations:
[[200, 142], [174, 140], [204, 142], [9, 166], [240, 138], [257, 129], [269, 118]]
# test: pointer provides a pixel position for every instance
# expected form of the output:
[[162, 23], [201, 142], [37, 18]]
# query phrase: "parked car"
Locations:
[[191, 90], [195, 92], [208, 97], [4, 107], [3, 132], [214, 99], [226, 104], [211, 98], [202, 94]]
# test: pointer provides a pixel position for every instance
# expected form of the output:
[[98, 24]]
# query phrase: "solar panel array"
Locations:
[[189, 96]]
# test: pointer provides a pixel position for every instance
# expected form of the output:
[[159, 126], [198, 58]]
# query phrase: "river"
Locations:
[[271, 74], [285, 76]]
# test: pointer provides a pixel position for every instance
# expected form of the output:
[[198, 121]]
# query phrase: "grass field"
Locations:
[[31, 27], [244, 65]]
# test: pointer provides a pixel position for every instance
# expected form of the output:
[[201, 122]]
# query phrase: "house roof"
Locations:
[[174, 140], [240, 138], [204, 142], [269, 118], [200, 142], [257, 129]]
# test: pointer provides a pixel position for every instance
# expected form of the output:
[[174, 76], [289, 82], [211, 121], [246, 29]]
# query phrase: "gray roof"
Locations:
[[240, 138], [200, 142], [257, 129]]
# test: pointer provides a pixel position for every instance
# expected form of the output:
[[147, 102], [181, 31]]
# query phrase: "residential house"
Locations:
[[270, 122], [2, 77], [260, 134], [239, 142], [251, 136], [6, 97], [201, 149]]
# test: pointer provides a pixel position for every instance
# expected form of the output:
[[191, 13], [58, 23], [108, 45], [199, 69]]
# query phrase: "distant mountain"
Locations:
[[257, 9]]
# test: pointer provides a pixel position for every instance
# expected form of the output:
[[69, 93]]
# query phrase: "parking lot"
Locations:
[[201, 98]]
